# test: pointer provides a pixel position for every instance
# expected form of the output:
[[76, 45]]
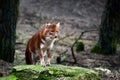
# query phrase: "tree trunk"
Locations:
[[8, 20], [110, 27]]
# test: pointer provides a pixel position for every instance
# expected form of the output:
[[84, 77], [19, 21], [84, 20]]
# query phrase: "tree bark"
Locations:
[[8, 14], [110, 27]]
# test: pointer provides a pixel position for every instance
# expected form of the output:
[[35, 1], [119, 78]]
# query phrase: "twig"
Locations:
[[64, 37], [19, 43], [72, 47]]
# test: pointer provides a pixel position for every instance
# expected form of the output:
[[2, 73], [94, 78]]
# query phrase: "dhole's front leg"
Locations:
[[42, 62], [48, 57]]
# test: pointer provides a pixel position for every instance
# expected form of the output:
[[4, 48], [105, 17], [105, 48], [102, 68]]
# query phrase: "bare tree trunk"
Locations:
[[110, 27], [8, 20]]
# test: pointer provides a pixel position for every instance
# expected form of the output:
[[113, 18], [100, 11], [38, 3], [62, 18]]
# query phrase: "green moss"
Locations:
[[70, 73], [53, 72], [109, 49], [11, 77], [95, 48], [27, 72], [79, 46]]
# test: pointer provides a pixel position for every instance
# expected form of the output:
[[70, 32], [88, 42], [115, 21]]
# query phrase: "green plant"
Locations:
[[95, 48], [79, 46]]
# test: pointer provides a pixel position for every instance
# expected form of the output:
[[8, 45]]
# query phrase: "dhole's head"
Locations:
[[52, 30]]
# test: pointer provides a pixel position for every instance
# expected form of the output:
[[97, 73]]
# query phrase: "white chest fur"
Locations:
[[51, 44], [48, 44]]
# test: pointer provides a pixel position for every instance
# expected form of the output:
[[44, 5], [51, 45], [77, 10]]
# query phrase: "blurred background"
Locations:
[[75, 16]]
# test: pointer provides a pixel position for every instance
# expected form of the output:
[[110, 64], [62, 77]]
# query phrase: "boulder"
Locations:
[[53, 72]]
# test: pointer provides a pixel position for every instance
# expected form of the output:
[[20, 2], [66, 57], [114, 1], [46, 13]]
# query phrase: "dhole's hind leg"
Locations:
[[48, 57], [33, 58], [42, 62]]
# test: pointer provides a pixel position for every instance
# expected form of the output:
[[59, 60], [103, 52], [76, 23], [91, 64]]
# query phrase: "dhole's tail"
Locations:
[[28, 56]]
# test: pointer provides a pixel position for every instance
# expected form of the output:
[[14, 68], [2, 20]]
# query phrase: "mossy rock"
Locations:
[[11, 77], [54, 72], [79, 46]]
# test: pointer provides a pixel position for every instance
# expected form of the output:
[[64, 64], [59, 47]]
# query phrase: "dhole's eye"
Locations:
[[52, 31]]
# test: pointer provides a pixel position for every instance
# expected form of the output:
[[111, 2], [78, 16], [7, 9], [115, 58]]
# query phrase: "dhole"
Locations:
[[41, 44]]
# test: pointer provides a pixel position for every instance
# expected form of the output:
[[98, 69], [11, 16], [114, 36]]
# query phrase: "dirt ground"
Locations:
[[75, 16]]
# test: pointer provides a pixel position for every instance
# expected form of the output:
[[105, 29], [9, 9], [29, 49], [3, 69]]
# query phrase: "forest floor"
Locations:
[[75, 18], [109, 65]]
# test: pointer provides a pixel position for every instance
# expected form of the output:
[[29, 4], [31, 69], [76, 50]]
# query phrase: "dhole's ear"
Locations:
[[48, 23], [58, 24]]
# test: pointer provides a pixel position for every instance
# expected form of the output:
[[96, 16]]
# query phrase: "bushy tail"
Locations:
[[28, 56]]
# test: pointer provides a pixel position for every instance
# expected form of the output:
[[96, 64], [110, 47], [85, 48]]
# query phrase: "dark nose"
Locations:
[[55, 36]]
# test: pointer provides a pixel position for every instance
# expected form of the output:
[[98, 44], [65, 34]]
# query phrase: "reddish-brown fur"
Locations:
[[37, 40]]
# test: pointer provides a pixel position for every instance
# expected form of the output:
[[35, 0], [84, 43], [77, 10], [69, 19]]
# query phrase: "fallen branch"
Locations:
[[72, 47]]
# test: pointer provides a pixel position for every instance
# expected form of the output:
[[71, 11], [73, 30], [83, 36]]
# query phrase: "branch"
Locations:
[[19, 43], [72, 47], [65, 37]]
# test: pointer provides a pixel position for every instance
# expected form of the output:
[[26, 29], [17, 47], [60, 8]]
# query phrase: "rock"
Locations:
[[106, 71], [53, 72], [5, 68]]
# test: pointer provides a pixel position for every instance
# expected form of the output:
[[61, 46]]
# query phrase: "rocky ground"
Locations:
[[75, 16]]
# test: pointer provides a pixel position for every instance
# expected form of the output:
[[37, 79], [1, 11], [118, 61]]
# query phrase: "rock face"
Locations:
[[54, 72]]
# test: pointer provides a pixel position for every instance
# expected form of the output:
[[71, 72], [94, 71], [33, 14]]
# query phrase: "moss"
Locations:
[[79, 46], [27, 72], [11, 77], [113, 45], [95, 48], [53, 72]]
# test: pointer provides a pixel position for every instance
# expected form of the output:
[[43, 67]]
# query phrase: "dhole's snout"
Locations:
[[56, 36], [53, 37]]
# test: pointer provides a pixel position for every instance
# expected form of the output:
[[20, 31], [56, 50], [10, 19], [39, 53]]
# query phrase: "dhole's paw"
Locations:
[[43, 64], [48, 64]]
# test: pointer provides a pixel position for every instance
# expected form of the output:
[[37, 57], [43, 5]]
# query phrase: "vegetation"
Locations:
[[11, 77], [79, 46], [36, 72], [95, 48]]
